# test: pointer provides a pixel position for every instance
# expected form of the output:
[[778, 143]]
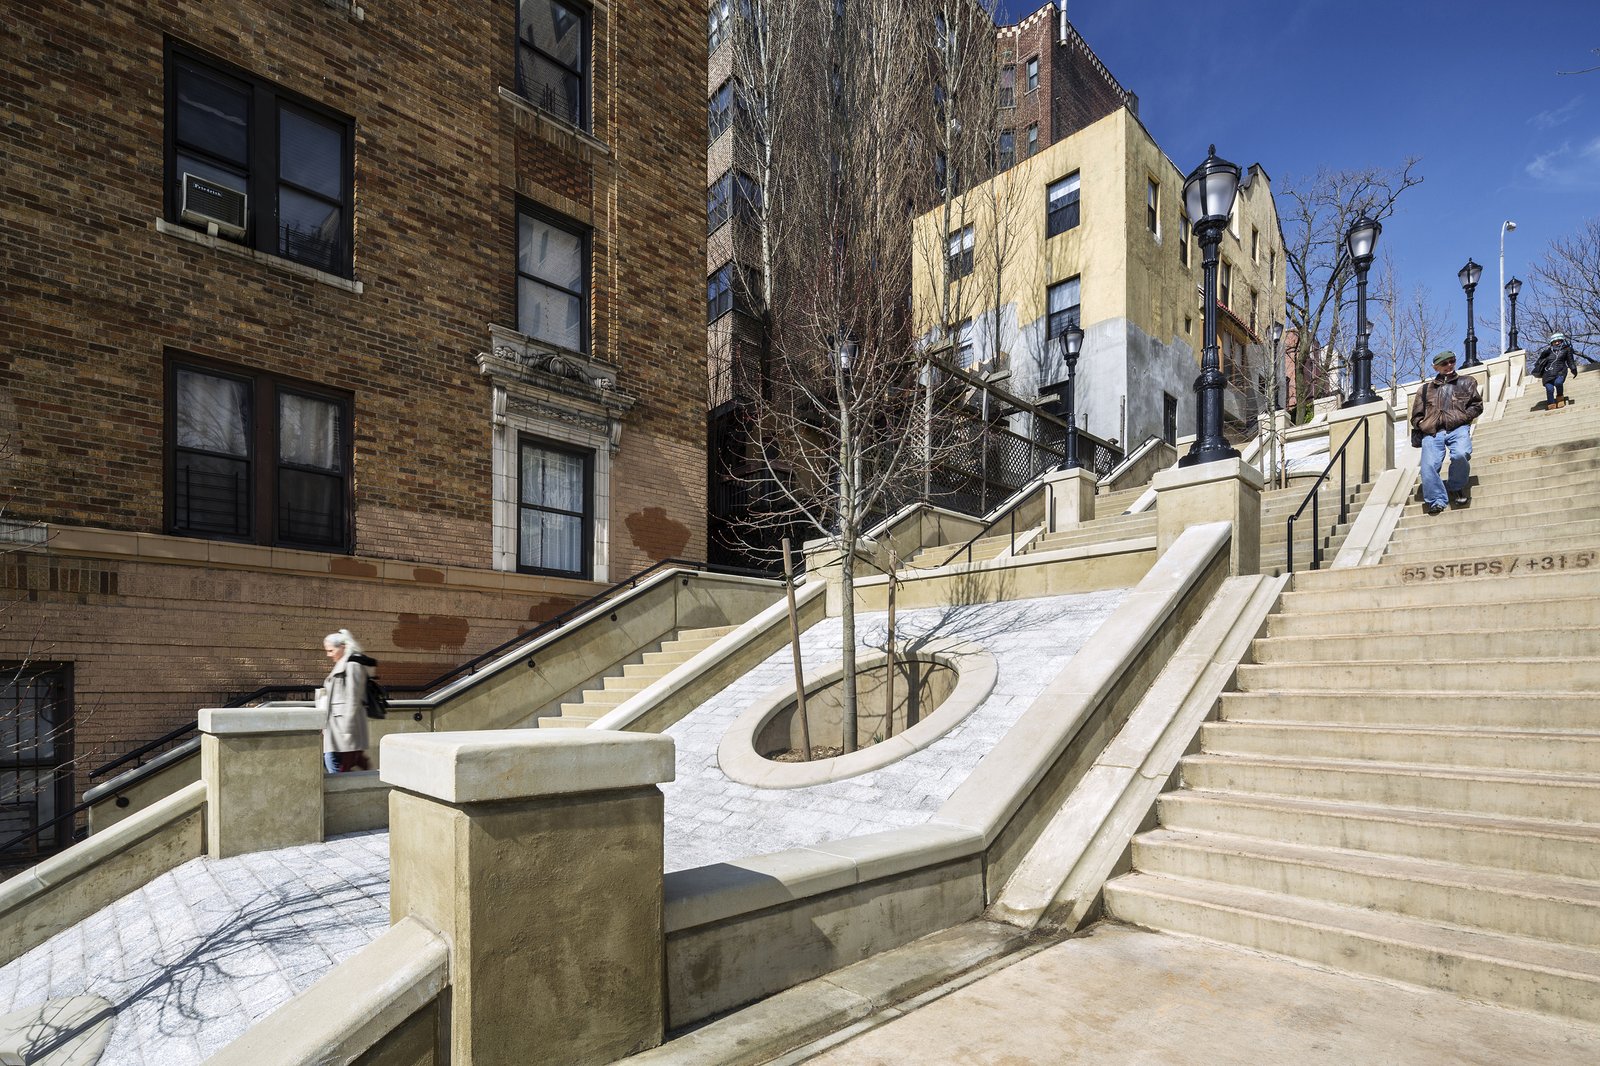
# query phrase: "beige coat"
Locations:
[[342, 700]]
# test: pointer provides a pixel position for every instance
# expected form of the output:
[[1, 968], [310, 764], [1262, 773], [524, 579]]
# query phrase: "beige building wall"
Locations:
[[1139, 293]]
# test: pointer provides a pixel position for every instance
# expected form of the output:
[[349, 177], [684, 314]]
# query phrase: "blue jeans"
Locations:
[[1458, 444], [329, 761], [1553, 388]]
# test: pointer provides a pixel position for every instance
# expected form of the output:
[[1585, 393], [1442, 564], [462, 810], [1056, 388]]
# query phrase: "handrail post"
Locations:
[[1316, 536], [1289, 547]]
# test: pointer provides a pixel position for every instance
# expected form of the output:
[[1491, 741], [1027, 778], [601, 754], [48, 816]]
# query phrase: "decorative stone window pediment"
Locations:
[[556, 395]]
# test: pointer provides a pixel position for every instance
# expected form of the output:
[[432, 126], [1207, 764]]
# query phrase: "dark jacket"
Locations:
[[1554, 361], [1446, 402]]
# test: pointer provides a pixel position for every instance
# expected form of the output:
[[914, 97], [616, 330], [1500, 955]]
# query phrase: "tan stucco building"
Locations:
[[1092, 227]]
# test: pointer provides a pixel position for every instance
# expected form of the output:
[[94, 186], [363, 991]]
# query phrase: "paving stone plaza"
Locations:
[[191, 960]]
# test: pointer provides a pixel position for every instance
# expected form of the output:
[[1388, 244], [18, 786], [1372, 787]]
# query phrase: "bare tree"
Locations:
[[842, 118], [1319, 277], [1566, 289]]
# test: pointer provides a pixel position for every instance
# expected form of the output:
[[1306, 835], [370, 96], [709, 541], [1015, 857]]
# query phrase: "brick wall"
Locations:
[[96, 297]]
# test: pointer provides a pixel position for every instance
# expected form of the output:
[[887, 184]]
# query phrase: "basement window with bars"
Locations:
[[36, 752], [553, 59], [291, 159], [258, 458]]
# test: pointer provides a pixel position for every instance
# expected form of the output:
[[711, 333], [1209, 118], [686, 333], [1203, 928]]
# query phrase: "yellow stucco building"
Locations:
[[1092, 227]]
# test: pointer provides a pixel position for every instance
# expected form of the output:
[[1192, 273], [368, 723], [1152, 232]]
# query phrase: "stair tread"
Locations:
[[1409, 730], [1505, 949], [1351, 860], [1413, 769]]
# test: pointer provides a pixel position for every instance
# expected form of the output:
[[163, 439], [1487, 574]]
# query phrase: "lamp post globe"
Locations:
[[1468, 276], [1208, 195], [1360, 242], [1513, 290]]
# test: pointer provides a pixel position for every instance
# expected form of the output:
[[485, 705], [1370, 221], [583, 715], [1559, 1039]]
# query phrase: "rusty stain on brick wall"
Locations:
[[351, 567], [656, 534], [430, 632], [427, 574], [547, 609]]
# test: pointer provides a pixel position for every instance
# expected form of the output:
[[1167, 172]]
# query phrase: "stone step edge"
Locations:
[[1487, 774], [1484, 732], [1337, 919], [1390, 866]]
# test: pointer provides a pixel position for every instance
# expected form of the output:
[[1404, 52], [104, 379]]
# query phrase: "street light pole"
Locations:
[[1468, 276], [1512, 289], [1505, 226], [1072, 346], [1208, 194], [1360, 242]]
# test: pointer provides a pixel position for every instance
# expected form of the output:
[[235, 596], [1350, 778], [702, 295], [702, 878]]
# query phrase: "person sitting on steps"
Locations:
[[1442, 416], [1554, 362]]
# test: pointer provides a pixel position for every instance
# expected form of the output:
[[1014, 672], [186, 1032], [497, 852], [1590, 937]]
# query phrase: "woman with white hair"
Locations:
[[343, 702]]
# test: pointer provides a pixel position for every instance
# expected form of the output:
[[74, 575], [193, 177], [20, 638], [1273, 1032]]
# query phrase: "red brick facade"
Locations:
[[1075, 89], [99, 296]]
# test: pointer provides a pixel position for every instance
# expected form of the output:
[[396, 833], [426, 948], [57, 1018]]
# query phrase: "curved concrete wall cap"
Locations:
[[975, 677]]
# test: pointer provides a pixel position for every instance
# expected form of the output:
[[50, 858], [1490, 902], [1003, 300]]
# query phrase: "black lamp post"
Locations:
[[1071, 348], [1208, 195], [1360, 242], [1276, 333], [843, 353], [1469, 276], [1513, 289]]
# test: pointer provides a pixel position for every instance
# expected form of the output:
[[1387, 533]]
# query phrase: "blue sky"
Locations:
[[1471, 88]]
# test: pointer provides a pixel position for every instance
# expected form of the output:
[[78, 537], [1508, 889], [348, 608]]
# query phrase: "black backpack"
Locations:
[[377, 697]]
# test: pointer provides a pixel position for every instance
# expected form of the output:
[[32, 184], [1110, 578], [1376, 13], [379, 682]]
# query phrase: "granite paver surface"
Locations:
[[194, 958], [712, 818]]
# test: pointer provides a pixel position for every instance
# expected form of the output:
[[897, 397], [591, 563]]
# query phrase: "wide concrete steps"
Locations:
[[1542, 906], [1468, 580], [1114, 503], [1577, 541], [1497, 748], [1497, 842], [1461, 674], [1514, 971], [617, 688], [978, 551], [1402, 643], [1509, 710], [1418, 786], [1098, 531]]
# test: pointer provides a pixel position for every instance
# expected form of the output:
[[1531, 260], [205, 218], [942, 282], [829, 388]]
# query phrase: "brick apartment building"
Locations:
[[317, 316], [1051, 84]]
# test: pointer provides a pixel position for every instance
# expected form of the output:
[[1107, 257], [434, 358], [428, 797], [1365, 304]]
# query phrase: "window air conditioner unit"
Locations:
[[216, 207]]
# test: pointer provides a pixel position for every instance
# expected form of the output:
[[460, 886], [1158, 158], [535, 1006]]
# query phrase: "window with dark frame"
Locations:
[[1225, 284], [1254, 298], [555, 510], [1033, 139], [960, 253], [552, 280], [1169, 418], [1063, 301], [291, 158], [256, 457], [965, 347], [1152, 205], [1183, 239], [719, 114], [1255, 245], [1061, 205], [553, 58], [1033, 74], [36, 753], [1008, 149], [1008, 86], [719, 292]]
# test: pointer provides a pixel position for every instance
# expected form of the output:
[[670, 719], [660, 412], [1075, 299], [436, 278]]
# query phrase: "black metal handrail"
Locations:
[[1344, 497], [1010, 513], [183, 733]]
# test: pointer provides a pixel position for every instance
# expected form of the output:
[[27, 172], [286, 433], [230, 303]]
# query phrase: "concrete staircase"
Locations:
[[635, 678], [1406, 782], [1003, 539]]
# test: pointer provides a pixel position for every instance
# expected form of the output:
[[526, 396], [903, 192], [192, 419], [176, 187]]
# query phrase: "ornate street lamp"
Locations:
[[1505, 227], [1071, 348], [1208, 195], [1360, 242], [1513, 288], [1469, 276], [1276, 333]]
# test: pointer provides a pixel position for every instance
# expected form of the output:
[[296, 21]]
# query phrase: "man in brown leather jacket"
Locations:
[[1442, 415]]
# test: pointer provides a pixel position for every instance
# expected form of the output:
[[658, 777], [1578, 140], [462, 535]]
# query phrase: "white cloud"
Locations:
[[1549, 120], [1569, 166]]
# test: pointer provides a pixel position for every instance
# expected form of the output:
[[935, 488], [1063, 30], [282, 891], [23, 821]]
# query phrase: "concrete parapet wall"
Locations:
[[380, 1006], [68, 887], [739, 931], [1086, 568], [354, 802]]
